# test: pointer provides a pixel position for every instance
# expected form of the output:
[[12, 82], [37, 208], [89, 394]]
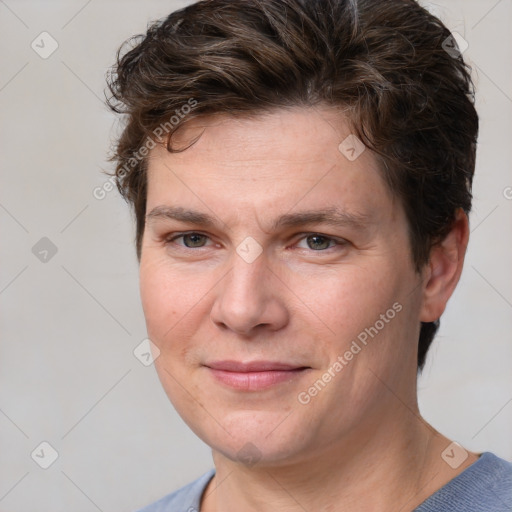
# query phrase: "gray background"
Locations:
[[69, 325]]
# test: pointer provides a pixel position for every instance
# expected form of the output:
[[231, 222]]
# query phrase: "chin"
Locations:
[[255, 437]]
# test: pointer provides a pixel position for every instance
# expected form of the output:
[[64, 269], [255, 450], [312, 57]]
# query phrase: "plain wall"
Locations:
[[69, 325]]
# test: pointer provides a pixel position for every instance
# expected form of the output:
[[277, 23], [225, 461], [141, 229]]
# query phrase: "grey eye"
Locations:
[[196, 240], [318, 242]]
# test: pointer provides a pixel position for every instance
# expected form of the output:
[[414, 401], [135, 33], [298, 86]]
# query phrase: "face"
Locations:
[[277, 283]]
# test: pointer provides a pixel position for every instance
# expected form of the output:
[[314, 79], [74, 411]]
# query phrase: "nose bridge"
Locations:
[[245, 287]]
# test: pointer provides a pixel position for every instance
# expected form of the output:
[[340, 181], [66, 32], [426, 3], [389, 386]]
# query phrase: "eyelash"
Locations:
[[337, 242]]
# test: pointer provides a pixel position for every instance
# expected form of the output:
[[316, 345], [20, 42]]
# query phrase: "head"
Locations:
[[247, 112]]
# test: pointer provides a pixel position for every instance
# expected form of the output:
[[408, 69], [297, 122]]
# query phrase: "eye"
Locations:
[[318, 242], [191, 240], [314, 241]]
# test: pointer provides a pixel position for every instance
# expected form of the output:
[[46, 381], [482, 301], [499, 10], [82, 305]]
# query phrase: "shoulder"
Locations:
[[186, 499], [485, 486]]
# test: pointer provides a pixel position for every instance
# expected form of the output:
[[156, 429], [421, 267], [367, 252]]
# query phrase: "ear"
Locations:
[[443, 270]]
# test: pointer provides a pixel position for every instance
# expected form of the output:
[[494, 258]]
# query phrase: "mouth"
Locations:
[[255, 375]]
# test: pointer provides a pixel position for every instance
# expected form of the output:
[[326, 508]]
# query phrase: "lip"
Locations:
[[254, 375], [252, 366]]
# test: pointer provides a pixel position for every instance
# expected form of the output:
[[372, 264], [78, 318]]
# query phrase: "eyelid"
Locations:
[[337, 241], [175, 235], [298, 237]]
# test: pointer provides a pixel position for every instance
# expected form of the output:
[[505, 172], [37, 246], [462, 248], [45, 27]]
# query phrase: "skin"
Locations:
[[359, 443]]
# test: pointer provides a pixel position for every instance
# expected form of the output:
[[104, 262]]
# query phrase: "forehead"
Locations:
[[287, 158], [294, 135]]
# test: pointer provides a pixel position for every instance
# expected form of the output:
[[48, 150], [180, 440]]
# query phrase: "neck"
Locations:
[[385, 466]]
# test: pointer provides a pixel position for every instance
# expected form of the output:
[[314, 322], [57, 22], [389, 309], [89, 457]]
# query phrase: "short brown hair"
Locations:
[[383, 61]]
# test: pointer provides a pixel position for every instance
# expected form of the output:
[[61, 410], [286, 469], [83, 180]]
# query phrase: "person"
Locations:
[[300, 173]]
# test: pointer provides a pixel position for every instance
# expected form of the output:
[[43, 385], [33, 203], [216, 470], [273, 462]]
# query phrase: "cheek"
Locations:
[[165, 297], [152, 290], [175, 305], [366, 314], [347, 301]]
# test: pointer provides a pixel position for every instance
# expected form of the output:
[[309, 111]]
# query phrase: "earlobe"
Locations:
[[444, 268]]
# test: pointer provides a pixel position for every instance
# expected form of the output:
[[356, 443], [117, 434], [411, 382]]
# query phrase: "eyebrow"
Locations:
[[331, 216]]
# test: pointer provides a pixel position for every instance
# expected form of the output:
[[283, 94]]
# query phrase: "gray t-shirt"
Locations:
[[485, 486]]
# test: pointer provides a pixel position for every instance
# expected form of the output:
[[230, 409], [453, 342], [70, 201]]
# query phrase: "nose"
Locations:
[[250, 298]]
